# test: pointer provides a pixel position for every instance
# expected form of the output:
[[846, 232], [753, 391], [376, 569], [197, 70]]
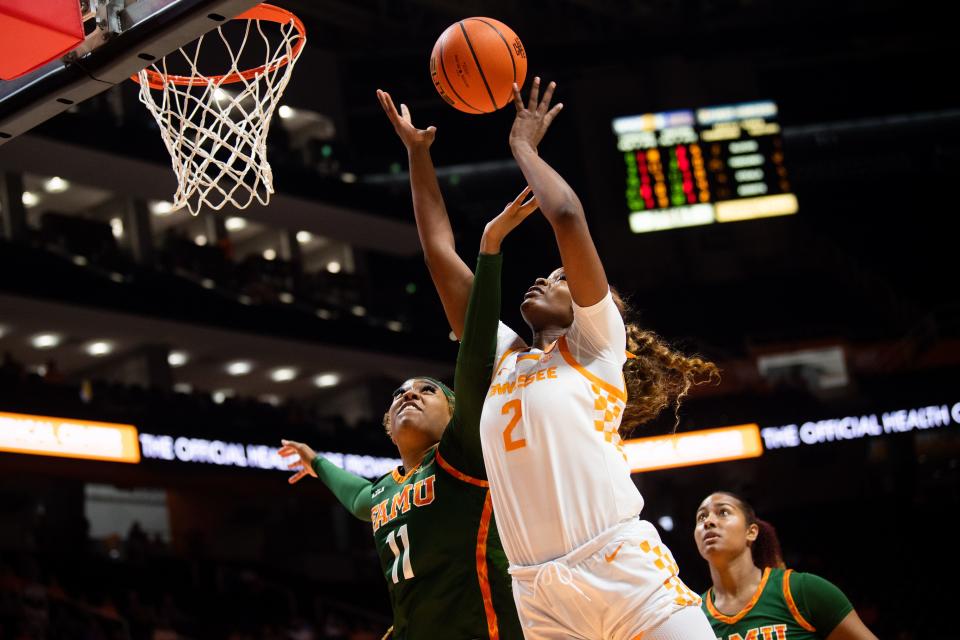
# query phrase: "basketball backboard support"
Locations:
[[131, 34]]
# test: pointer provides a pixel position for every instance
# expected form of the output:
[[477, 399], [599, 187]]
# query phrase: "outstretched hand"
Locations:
[[411, 136], [304, 463], [512, 215], [533, 120]]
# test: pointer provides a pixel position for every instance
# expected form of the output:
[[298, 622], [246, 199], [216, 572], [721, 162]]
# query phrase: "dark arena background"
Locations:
[[824, 284]]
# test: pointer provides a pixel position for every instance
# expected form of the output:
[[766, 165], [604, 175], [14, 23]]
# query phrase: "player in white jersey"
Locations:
[[584, 564]]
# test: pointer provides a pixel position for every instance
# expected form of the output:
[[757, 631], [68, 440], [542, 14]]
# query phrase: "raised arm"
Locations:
[[475, 359], [352, 491], [451, 276], [558, 202]]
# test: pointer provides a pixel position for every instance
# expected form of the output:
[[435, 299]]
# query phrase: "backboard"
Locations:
[[122, 37]]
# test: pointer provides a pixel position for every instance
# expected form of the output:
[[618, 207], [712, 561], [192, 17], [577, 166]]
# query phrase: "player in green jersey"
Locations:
[[754, 597], [432, 518]]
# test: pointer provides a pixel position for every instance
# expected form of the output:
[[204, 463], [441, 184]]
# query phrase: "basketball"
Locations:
[[475, 63]]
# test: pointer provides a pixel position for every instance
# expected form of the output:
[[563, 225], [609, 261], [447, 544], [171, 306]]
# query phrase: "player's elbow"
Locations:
[[566, 213], [437, 253]]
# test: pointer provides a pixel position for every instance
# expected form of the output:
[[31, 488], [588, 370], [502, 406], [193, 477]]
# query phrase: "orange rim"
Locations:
[[267, 12]]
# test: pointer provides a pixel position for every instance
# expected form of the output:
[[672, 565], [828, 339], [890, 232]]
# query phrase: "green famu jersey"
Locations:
[[441, 555], [433, 525], [786, 606]]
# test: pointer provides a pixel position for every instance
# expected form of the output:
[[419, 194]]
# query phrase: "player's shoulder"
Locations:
[[799, 581], [793, 579], [606, 304], [508, 339]]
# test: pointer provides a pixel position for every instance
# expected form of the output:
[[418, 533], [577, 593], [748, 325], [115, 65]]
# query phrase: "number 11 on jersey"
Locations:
[[400, 555], [510, 441]]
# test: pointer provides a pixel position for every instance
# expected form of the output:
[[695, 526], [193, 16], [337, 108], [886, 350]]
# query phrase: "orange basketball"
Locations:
[[475, 63]]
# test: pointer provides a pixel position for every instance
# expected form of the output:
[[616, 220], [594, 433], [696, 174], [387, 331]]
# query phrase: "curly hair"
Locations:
[[657, 376]]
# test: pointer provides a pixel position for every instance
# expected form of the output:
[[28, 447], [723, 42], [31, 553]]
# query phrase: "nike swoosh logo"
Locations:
[[612, 556]]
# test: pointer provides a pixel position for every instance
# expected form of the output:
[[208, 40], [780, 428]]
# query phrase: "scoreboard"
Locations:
[[717, 164]]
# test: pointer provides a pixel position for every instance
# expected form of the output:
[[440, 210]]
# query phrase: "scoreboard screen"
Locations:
[[717, 164]]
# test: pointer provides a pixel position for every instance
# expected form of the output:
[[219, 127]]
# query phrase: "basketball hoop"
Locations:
[[218, 139]]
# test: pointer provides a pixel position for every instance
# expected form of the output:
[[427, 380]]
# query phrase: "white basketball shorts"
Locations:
[[617, 586]]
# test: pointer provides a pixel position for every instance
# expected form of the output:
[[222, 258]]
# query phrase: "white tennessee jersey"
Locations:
[[557, 471]]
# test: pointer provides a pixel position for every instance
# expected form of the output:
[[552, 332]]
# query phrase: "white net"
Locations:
[[215, 127]]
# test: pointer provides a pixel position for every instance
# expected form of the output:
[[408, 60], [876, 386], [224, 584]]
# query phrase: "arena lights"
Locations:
[[283, 374], [395, 325], [333, 266], [325, 380], [220, 395], [303, 237], [358, 310], [116, 227], [200, 240], [29, 199], [183, 387], [239, 367], [46, 340], [269, 254], [177, 358], [160, 207], [99, 348], [235, 224], [693, 448], [56, 184], [68, 438]]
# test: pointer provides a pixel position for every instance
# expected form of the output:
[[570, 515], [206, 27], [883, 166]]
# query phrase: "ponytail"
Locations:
[[766, 548]]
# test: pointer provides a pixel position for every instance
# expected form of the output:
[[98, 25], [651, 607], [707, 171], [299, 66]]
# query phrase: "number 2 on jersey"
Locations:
[[509, 441], [400, 555]]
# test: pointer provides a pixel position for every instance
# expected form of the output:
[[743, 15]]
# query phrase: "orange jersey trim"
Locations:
[[621, 394], [483, 532], [400, 479], [459, 475], [746, 609], [793, 605]]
